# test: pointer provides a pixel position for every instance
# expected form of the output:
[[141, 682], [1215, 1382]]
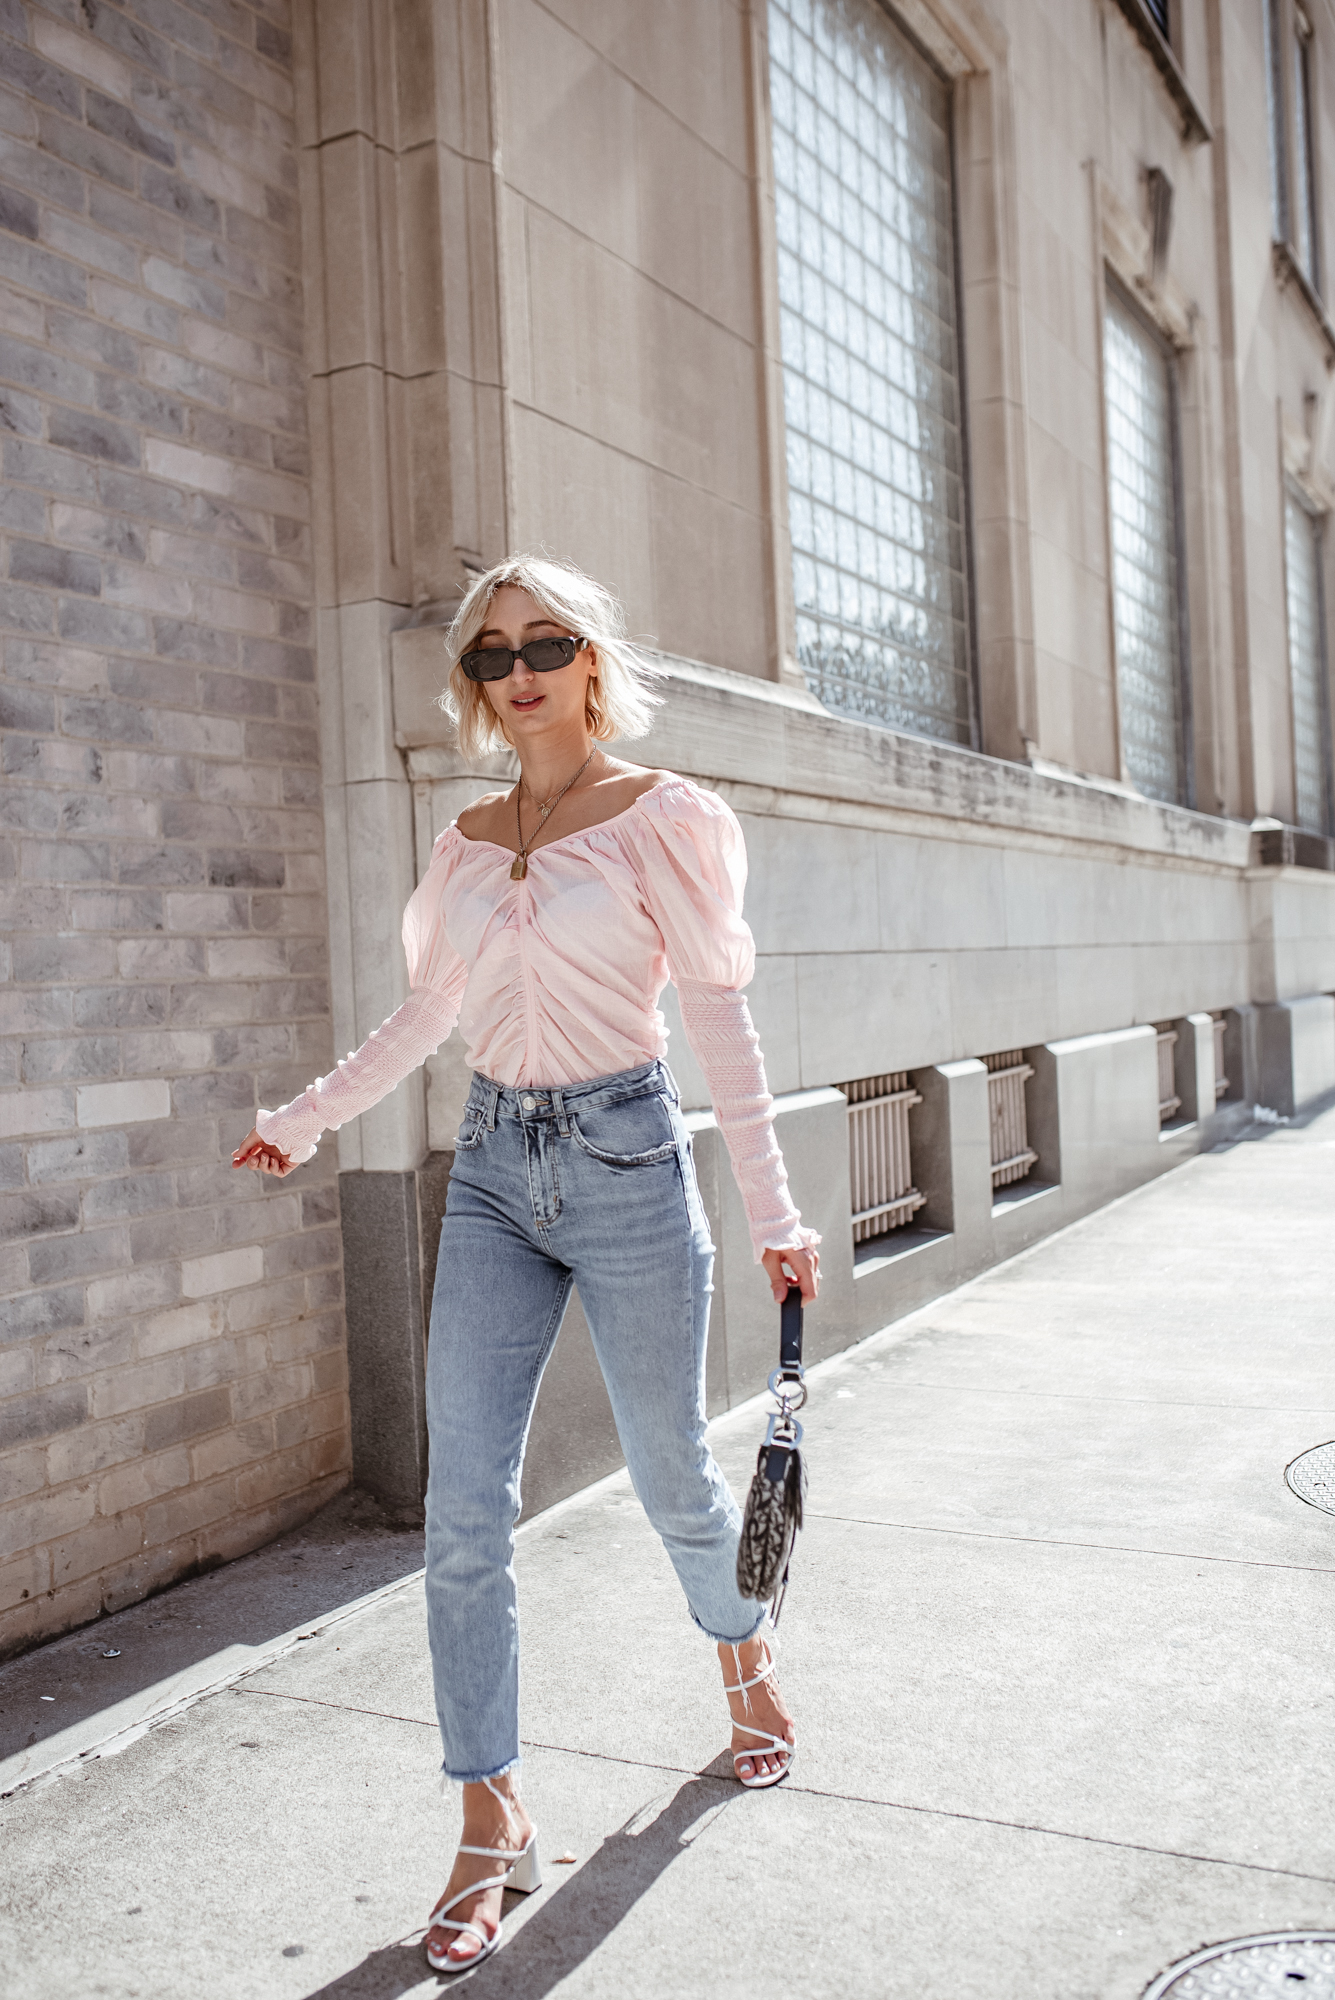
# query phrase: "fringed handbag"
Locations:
[[774, 1504]]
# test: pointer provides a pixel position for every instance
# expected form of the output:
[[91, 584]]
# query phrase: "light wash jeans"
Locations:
[[590, 1185]]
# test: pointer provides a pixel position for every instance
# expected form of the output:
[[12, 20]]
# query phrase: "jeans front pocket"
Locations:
[[470, 1132], [636, 1132]]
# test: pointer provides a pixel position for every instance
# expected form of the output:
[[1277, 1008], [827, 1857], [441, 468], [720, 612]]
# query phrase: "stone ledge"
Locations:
[[1195, 124], [736, 730]]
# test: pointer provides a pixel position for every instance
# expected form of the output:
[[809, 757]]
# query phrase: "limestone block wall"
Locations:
[[636, 420], [172, 1370]]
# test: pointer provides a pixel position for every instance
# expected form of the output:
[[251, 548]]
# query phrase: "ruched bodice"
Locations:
[[562, 971], [555, 979]]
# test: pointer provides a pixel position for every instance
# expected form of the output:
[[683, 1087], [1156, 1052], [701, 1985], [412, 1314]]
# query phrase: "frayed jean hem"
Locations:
[[727, 1638], [448, 1779]]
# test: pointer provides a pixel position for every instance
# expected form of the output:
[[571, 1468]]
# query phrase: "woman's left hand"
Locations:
[[793, 1267]]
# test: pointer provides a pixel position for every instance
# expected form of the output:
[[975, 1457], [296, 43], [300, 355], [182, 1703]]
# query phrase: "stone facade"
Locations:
[[603, 178], [537, 251], [172, 1365]]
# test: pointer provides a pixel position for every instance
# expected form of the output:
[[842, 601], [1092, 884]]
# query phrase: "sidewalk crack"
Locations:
[[1060, 1542], [950, 1813], [347, 1707], [1098, 1396]]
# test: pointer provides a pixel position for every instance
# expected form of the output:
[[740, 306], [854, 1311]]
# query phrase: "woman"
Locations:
[[547, 924]]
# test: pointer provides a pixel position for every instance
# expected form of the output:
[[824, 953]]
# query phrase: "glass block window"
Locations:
[[1305, 236], [1142, 499], [1274, 108], [1307, 667], [866, 252]]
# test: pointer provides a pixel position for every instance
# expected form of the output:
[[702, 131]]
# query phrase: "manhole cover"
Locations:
[[1283, 1962], [1312, 1477]]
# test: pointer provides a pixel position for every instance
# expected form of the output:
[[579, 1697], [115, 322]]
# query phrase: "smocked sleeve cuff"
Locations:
[[415, 1031], [718, 1027], [294, 1129]]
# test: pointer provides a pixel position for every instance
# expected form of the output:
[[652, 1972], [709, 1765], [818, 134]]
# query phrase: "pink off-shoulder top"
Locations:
[[555, 979]]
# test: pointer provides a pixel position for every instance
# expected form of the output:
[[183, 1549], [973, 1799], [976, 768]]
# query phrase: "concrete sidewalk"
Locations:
[[1057, 1644]]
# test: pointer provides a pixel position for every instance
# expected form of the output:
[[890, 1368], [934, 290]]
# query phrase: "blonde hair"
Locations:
[[621, 695]]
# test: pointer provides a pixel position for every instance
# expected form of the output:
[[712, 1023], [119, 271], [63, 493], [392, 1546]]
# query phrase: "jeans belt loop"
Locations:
[[493, 1099], [562, 1115]]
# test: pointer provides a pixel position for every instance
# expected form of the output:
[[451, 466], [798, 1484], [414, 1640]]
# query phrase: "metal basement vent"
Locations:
[[1254, 1968], [1312, 1477]]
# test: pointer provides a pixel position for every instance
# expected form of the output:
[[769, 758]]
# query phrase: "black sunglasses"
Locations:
[[544, 656]]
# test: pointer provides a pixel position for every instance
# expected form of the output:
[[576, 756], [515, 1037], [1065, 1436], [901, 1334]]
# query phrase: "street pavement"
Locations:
[[1057, 1642]]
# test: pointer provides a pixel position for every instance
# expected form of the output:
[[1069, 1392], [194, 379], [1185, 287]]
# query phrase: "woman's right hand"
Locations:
[[793, 1267], [263, 1158]]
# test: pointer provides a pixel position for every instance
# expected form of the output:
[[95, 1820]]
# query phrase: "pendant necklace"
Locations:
[[520, 867]]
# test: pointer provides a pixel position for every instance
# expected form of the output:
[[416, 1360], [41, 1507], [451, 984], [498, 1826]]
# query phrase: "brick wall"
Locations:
[[172, 1369]]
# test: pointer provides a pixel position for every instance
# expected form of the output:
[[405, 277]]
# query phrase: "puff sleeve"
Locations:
[[694, 875], [437, 976]]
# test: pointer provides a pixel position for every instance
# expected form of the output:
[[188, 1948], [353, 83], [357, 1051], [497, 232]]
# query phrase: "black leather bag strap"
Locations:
[[790, 1332]]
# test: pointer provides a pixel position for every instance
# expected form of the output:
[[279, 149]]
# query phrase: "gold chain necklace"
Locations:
[[520, 867]]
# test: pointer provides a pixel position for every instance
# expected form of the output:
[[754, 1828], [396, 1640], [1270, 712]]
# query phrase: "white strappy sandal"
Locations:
[[768, 1746], [521, 1872]]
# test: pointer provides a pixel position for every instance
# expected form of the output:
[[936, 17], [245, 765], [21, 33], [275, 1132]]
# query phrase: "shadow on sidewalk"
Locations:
[[345, 1551], [571, 1923]]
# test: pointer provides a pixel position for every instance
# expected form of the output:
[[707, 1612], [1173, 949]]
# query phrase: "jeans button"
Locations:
[[528, 1104]]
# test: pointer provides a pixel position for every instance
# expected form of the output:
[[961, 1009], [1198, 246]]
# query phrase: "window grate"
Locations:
[[1012, 1155], [1220, 1079], [880, 1168], [1142, 498], [1168, 1097], [866, 268]]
